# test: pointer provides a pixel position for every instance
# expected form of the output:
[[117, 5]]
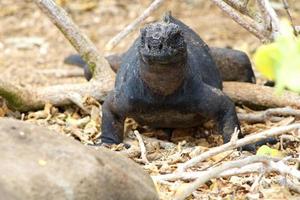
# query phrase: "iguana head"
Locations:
[[162, 43]]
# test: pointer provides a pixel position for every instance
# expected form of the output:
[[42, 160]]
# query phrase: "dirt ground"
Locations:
[[32, 49]]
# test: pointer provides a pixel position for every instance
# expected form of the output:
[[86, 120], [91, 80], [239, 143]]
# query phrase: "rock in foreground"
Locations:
[[39, 164]]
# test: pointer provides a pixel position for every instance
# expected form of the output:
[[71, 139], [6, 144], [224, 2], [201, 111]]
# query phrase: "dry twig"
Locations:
[[239, 143], [247, 23], [115, 40], [269, 114], [287, 9], [264, 25], [186, 176], [268, 163], [142, 146]]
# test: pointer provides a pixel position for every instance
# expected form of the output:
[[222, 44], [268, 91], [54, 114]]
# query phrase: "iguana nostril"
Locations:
[[160, 47], [149, 47]]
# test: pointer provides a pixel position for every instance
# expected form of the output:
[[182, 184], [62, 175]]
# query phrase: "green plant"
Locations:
[[280, 60]]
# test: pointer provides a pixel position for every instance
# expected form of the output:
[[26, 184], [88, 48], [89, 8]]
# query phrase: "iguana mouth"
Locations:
[[162, 43]]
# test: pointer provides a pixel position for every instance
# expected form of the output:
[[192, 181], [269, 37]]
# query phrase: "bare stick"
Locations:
[[214, 172], [269, 114], [97, 63], [186, 176], [292, 186], [239, 5], [255, 185], [268, 163], [249, 24], [271, 20], [287, 9], [142, 146], [235, 171], [239, 143], [115, 40]]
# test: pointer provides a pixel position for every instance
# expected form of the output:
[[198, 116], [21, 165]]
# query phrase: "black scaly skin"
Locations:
[[168, 79]]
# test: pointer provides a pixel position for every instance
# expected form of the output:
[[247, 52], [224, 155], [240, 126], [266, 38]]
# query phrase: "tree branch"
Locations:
[[23, 99], [216, 171], [257, 95], [267, 162], [247, 23], [269, 114], [239, 143], [116, 39], [87, 50]]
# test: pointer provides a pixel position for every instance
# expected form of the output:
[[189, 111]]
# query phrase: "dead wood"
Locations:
[[268, 164], [272, 114], [239, 143], [23, 99], [98, 65], [116, 39], [260, 96], [264, 24]]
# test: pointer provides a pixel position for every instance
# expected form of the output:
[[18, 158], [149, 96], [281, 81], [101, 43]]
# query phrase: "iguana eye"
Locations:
[[176, 40], [143, 35]]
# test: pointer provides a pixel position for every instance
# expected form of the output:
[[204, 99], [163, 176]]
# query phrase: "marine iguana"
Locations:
[[168, 79]]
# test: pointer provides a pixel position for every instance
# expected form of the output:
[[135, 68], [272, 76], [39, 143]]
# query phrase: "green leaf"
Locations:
[[280, 61], [267, 151]]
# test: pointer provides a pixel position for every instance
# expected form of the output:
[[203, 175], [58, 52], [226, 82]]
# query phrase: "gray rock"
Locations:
[[37, 163]]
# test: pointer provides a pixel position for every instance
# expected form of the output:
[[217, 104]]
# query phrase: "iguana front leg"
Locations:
[[112, 122], [221, 108]]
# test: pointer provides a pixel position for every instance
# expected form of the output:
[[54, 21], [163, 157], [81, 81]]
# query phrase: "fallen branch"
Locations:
[[287, 183], [239, 143], [24, 99], [187, 176], [257, 95], [248, 169], [116, 39], [272, 114], [267, 163]]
